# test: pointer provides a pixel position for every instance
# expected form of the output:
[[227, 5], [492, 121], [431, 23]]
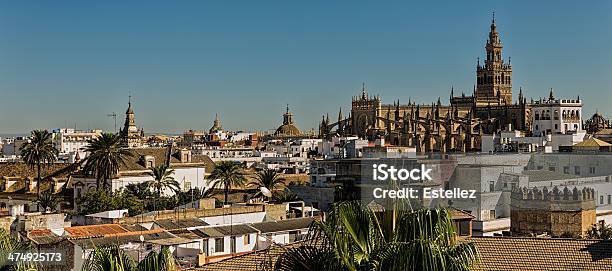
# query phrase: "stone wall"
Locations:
[[274, 211], [558, 212]]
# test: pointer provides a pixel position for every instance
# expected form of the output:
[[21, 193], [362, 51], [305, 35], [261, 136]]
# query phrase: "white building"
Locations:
[[190, 171], [516, 141], [302, 147], [556, 116], [70, 141], [215, 152], [11, 146]]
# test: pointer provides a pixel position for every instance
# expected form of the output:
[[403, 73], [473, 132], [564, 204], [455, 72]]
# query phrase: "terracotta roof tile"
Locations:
[[511, 253], [95, 230]]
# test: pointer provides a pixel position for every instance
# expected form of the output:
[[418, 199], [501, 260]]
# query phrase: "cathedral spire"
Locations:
[[364, 95], [551, 96]]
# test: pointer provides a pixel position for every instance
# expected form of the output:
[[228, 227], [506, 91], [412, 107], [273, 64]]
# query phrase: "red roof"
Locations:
[[95, 230]]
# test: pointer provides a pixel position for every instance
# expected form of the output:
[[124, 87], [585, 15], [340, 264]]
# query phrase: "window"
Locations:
[[491, 186], [491, 214], [592, 170], [577, 170], [464, 228], [601, 200], [219, 245], [187, 186], [566, 170], [247, 239], [609, 199], [551, 169]]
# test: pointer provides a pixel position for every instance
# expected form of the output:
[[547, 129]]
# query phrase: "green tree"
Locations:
[[105, 157], [38, 152], [47, 200], [140, 190], [125, 200], [284, 196], [227, 174], [356, 238], [268, 178], [115, 259], [600, 231], [95, 201], [162, 179]]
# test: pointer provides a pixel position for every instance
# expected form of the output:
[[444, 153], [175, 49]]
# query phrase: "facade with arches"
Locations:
[[556, 116]]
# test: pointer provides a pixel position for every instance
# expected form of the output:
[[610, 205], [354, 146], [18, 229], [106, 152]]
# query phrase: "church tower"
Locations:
[[129, 126], [494, 78], [131, 137]]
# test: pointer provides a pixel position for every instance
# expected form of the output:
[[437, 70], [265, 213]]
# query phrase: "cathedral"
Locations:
[[456, 126]]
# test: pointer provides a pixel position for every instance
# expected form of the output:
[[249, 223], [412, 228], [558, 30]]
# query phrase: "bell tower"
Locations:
[[494, 78]]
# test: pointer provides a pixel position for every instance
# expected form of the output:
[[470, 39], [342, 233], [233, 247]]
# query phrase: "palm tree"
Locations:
[[162, 179], [268, 178], [357, 238], [47, 200], [285, 196], [154, 261], [37, 152], [227, 174], [8, 245], [115, 259], [105, 157]]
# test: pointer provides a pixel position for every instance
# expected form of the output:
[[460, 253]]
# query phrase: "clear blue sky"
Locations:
[[70, 62]]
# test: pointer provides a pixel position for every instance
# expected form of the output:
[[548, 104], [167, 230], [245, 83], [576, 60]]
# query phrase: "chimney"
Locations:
[[185, 155], [29, 184]]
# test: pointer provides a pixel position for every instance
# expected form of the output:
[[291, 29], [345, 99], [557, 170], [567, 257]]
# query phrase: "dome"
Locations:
[[287, 130], [216, 125]]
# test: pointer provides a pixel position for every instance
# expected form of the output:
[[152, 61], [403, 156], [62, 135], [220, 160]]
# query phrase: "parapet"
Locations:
[[554, 199]]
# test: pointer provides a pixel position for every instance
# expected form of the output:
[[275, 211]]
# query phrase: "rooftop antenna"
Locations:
[[114, 116]]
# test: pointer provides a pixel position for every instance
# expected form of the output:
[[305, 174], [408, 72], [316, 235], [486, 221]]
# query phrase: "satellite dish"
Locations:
[[265, 191]]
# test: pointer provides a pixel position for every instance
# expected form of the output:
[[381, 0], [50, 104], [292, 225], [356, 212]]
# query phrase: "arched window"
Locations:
[[537, 117]]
